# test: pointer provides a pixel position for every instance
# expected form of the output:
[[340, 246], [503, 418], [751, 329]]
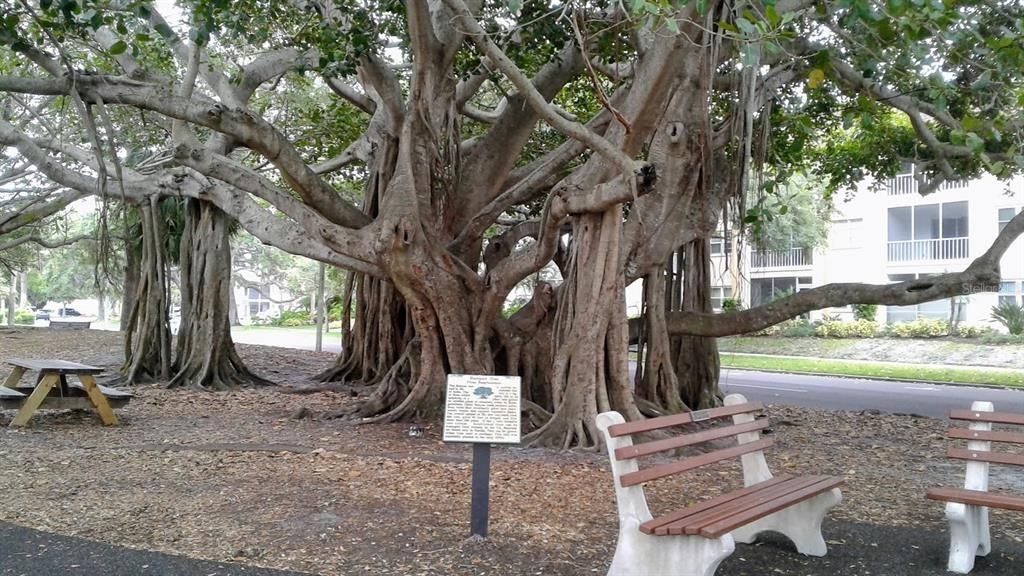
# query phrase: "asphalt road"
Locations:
[[27, 552], [832, 393]]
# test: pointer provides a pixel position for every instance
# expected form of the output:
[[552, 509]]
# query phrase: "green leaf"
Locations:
[[746, 26], [119, 47], [975, 143], [816, 78], [514, 6]]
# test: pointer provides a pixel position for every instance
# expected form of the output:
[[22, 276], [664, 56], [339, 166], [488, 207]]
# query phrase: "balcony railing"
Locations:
[[924, 250], [905, 184], [793, 258]]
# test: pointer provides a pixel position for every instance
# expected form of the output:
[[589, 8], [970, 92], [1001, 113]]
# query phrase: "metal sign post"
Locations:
[[482, 410]]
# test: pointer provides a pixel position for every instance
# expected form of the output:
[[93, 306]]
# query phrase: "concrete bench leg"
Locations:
[[801, 523], [968, 525], [638, 554], [968, 535]]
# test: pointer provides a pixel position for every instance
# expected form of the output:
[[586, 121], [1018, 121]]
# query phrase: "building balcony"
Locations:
[[929, 250], [905, 185], [769, 259]]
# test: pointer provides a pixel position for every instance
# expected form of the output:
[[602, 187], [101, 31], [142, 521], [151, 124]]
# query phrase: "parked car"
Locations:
[[42, 314], [68, 312]]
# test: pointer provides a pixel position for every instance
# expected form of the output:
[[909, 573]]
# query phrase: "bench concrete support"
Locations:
[[638, 554], [801, 523], [968, 524]]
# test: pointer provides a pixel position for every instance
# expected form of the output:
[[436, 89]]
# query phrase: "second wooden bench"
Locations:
[[967, 507], [694, 540]]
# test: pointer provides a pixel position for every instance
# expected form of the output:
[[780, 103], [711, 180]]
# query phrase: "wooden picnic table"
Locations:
[[53, 391]]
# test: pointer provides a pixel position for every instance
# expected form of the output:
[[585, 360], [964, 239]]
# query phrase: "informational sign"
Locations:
[[482, 409]]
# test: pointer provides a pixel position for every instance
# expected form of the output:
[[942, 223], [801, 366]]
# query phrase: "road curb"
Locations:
[[878, 378]]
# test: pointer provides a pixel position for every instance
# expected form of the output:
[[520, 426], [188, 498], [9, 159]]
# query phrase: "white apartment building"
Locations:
[[890, 233]]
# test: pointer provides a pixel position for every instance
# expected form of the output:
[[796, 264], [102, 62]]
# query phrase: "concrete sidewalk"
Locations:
[[27, 552]]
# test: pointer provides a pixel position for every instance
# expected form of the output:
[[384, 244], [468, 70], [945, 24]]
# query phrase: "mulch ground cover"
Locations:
[[235, 477]]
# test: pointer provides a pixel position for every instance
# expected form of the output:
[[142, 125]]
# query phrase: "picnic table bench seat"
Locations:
[[694, 540], [967, 507]]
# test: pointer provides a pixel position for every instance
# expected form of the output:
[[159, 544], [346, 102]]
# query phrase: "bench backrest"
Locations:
[[980, 436], [70, 324], [624, 454]]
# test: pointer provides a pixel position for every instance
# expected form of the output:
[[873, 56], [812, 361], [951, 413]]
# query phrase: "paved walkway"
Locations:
[[27, 552]]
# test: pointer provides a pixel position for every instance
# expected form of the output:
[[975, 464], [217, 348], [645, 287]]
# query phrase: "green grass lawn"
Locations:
[[874, 370]]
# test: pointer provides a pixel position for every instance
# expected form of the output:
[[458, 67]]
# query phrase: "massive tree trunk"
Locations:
[[148, 334], [590, 374], [206, 358]]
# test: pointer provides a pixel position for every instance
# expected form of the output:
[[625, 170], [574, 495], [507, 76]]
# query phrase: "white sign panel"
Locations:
[[482, 409]]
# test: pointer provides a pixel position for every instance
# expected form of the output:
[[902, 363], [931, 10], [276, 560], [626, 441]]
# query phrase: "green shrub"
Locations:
[[796, 328], [919, 328], [793, 328], [732, 305], [24, 317], [865, 311], [1011, 316], [998, 338], [855, 329], [968, 331], [292, 318]]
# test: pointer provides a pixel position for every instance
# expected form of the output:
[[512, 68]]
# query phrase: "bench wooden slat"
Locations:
[[984, 456], [756, 513], [994, 417], [655, 472], [54, 366], [108, 392], [986, 435], [977, 498], [691, 524], [10, 393], [659, 525], [680, 419], [647, 448]]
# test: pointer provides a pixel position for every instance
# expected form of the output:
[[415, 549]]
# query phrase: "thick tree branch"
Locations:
[[44, 242], [982, 275]]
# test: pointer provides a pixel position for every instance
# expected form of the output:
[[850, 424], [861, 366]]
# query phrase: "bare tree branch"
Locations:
[[982, 275]]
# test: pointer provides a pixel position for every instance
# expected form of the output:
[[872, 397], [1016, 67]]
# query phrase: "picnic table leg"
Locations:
[[98, 400], [14, 378], [34, 400]]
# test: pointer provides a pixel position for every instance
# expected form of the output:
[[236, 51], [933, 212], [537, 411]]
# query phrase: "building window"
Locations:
[[928, 232], [846, 234], [1005, 215], [929, 221], [258, 300], [718, 295], [765, 290], [1008, 293], [935, 310], [720, 244]]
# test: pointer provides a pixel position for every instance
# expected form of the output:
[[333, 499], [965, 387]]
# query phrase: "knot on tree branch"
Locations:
[[647, 176]]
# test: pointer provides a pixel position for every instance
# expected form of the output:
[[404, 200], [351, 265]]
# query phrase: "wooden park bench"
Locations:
[[967, 507], [53, 391], [693, 541], [70, 324]]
